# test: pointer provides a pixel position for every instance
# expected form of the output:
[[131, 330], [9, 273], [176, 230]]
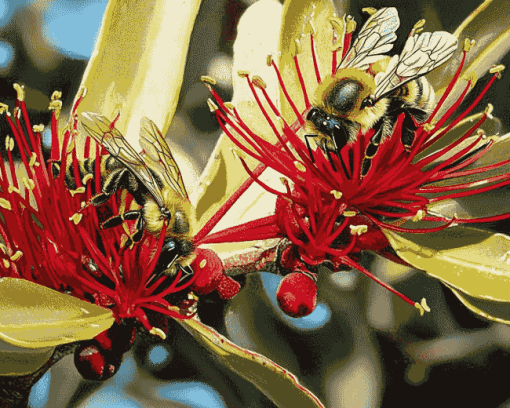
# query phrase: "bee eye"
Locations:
[[344, 95]]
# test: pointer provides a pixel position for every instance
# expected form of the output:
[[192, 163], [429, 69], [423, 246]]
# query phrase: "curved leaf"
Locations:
[[474, 261], [34, 316], [21, 361], [276, 383]]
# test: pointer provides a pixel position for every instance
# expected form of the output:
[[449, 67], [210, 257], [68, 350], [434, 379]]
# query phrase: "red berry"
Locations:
[[228, 288], [208, 264], [96, 364], [297, 295]]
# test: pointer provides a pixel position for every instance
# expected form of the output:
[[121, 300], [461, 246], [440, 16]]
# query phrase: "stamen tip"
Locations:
[[349, 214], [208, 80], [5, 204], [350, 25], [229, 105], [18, 254], [471, 76], [299, 46], [337, 194], [369, 10], [269, 60], [158, 332], [419, 215], [4, 108], [243, 74], [259, 82], [20, 90], [56, 95], [300, 166], [76, 218], [212, 106], [496, 69], [38, 128], [468, 44], [9, 143], [358, 229], [488, 111], [423, 307], [419, 24]]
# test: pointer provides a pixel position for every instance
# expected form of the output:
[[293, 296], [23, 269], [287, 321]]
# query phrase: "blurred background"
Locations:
[[361, 347]]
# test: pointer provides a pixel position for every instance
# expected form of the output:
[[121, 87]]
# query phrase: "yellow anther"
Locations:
[[5, 204], [428, 127], [259, 82], [3, 248], [203, 263], [17, 255], [419, 215], [70, 146], [423, 307], [417, 31], [468, 44], [337, 194], [33, 159], [471, 76], [76, 218], [82, 92], [29, 183], [243, 74], [55, 105], [350, 25], [6, 263], [3, 108], [349, 214], [56, 95], [488, 110], [38, 128], [337, 24], [496, 69], [229, 105], [300, 166], [9, 143], [10, 189], [269, 60], [87, 178], [299, 46], [158, 332], [208, 80], [369, 10], [212, 106], [20, 91], [79, 190], [419, 24], [358, 229]]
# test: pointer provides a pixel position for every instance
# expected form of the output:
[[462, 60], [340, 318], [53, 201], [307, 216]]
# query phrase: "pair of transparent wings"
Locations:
[[422, 53], [156, 156]]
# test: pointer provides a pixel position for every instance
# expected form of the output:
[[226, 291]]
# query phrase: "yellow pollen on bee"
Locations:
[[203, 263], [12, 188], [259, 82], [20, 91], [358, 229], [5, 204], [79, 190], [9, 143], [269, 60], [208, 80], [468, 44], [158, 332], [423, 307], [17, 255], [243, 74], [38, 128], [6, 263], [3, 108], [29, 183], [337, 194], [299, 46], [350, 25], [229, 105], [419, 215], [87, 178], [369, 10], [349, 214], [76, 218], [212, 106], [300, 166]]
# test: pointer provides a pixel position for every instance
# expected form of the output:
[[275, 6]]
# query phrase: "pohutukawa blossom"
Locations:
[[358, 186]]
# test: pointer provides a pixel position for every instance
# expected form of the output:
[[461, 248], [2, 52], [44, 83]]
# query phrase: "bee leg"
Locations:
[[371, 151], [310, 151], [119, 219], [137, 236], [111, 185], [328, 152]]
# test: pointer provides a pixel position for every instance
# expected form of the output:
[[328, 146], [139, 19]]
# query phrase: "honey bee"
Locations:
[[152, 177], [370, 90]]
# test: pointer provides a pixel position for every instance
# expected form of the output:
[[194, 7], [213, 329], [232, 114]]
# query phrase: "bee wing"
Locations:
[[421, 55], [156, 148], [113, 141], [375, 38]]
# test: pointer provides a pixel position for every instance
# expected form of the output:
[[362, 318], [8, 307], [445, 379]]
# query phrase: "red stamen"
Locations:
[[315, 64], [302, 83], [287, 96]]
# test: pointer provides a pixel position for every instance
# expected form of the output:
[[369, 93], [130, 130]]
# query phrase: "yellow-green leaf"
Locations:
[[275, 382], [21, 361], [473, 261], [34, 316]]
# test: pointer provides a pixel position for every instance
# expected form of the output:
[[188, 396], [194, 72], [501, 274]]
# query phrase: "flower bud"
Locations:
[[297, 295]]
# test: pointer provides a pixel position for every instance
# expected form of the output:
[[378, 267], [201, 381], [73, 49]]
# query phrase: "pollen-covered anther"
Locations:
[[369, 10], [229, 105], [259, 82], [56, 95], [496, 69], [358, 229], [208, 80], [55, 105], [300, 166], [17, 255], [87, 178], [9, 143], [203, 263], [471, 76], [83, 204], [428, 127], [243, 74], [11, 189], [38, 128], [419, 215], [29, 183], [422, 307], [76, 218], [350, 25], [488, 111], [5, 204], [337, 194], [481, 133], [269, 60], [158, 332], [6, 263], [468, 44], [3, 248], [4, 108], [33, 160], [79, 190], [20, 90], [349, 214], [212, 106]]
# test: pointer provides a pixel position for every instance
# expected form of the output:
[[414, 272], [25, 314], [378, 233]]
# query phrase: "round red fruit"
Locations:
[[297, 295], [95, 364], [210, 268]]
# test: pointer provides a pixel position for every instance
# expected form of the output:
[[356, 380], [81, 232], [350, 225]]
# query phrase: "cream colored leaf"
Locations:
[[275, 382], [34, 316], [474, 261]]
